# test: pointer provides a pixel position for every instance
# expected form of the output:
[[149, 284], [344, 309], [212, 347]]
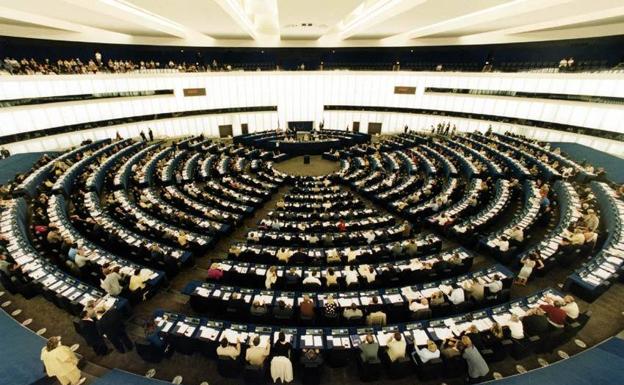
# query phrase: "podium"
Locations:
[[306, 159]]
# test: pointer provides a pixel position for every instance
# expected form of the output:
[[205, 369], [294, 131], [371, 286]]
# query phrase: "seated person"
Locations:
[[283, 255], [137, 281], [291, 277], [396, 347], [270, 278], [282, 311], [535, 322], [570, 307], [437, 298], [415, 305], [226, 350], [351, 276], [331, 307], [554, 312], [369, 349], [429, 353], [449, 348], [282, 348], [352, 312], [496, 285], [215, 272], [256, 355], [516, 327], [306, 308], [312, 279], [258, 309], [331, 279]]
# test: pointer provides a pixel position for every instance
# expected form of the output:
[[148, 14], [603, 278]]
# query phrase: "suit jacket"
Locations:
[[89, 331]]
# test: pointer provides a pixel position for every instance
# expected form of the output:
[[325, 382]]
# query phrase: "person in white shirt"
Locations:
[[515, 327], [351, 255], [110, 284], [370, 236], [502, 244], [81, 259], [311, 279], [271, 277], [496, 285], [396, 347], [351, 276], [517, 235], [571, 307], [457, 296], [368, 273], [429, 353], [415, 306]]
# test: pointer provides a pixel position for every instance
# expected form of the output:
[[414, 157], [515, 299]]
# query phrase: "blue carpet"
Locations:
[[18, 163], [601, 365], [612, 164], [118, 377], [20, 351]]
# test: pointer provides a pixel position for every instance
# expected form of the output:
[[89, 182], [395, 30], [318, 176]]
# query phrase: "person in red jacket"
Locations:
[[215, 272], [556, 315]]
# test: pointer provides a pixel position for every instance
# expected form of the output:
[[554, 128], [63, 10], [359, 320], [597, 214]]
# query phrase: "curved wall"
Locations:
[[302, 96]]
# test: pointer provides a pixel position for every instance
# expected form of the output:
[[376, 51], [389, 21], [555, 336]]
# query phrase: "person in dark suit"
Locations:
[[298, 257], [282, 311], [89, 331], [237, 305], [535, 322], [111, 324]]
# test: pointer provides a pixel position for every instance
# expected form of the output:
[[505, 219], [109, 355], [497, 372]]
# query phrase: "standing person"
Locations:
[[89, 331], [143, 136], [151, 135], [477, 367], [112, 325], [61, 362]]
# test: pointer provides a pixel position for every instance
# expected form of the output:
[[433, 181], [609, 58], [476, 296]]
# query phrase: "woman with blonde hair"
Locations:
[[61, 362], [271, 277]]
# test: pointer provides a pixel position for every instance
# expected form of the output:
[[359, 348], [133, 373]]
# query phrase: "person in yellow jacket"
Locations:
[[61, 362]]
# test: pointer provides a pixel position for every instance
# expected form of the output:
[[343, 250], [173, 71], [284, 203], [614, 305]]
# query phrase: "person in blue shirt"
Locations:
[[151, 336], [71, 253]]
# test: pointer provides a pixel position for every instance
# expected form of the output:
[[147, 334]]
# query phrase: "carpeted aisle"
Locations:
[[601, 365], [119, 377], [20, 351]]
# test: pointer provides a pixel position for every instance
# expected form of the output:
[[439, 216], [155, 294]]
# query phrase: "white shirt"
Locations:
[[427, 355], [571, 309], [457, 296], [517, 330], [415, 306], [110, 284], [351, 276], [311, 279], [503, 245], [495, 286]]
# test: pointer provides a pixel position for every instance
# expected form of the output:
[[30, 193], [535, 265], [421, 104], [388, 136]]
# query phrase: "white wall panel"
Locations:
[[301, 96]]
